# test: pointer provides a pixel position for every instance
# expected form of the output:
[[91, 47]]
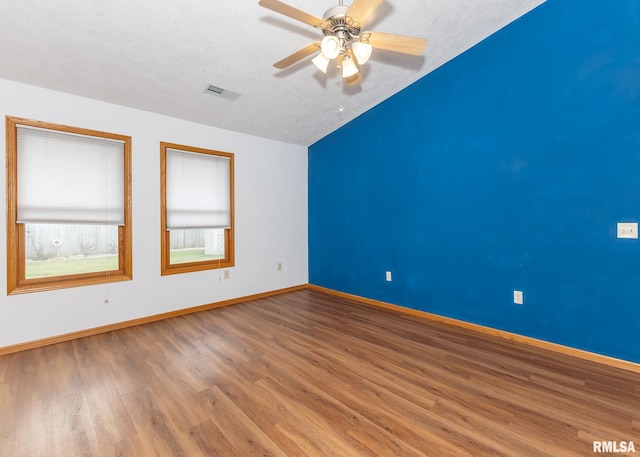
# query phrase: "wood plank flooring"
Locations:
[[308, 374]]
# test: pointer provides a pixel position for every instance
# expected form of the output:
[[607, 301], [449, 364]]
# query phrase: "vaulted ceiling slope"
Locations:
[[161, 56]]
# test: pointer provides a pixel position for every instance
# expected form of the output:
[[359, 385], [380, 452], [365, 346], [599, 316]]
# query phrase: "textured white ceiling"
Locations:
[[160, 56]]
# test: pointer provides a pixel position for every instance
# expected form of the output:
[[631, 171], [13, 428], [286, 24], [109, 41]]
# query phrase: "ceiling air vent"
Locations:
[[220, 92]]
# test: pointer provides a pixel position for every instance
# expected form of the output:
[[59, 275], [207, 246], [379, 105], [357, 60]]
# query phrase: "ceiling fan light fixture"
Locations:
[[349, 67], [321, 61], [361, 51], [330, 46]]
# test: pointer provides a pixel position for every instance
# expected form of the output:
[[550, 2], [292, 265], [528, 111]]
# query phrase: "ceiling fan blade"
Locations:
[[397, 43], [294, 13], [297, 56], [360, 10], [353, 80]]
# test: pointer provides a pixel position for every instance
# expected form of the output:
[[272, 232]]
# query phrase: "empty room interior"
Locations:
[[296, 228]]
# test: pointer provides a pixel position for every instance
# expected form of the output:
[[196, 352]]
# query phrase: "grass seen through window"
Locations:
[[77, 265], [192, 255], [70, 266]]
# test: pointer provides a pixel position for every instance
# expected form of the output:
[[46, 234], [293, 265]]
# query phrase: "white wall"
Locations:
[[270, 220]]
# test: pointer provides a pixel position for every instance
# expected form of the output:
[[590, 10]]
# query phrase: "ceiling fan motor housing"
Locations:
[[337, 23]]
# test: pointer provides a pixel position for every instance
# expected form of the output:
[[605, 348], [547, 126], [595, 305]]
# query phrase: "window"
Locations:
[[68, 206], [196, 209]]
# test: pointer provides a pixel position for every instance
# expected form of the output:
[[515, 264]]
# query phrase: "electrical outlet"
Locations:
[[226, 274], [279, 266], [518, 297], [628, 230], [388, 276]]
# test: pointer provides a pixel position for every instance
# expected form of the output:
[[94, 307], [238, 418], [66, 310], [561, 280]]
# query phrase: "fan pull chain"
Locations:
[[341, 89]]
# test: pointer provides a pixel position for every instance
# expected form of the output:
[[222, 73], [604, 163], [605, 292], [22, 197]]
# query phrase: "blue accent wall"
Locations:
[[507, 168]]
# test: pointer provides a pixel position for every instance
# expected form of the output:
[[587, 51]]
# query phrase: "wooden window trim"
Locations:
[[166, 268], [16, 269]]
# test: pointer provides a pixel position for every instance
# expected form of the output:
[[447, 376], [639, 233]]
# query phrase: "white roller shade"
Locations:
[[198, 190], [69, 178]]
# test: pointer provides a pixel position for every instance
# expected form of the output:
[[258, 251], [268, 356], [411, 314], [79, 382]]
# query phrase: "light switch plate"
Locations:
[[628, 230]]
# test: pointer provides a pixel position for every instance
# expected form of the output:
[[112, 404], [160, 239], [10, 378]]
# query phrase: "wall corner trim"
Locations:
[[540, 344], [140, 321]]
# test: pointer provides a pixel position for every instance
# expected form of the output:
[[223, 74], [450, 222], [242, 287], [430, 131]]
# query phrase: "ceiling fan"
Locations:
[[344, 39]]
